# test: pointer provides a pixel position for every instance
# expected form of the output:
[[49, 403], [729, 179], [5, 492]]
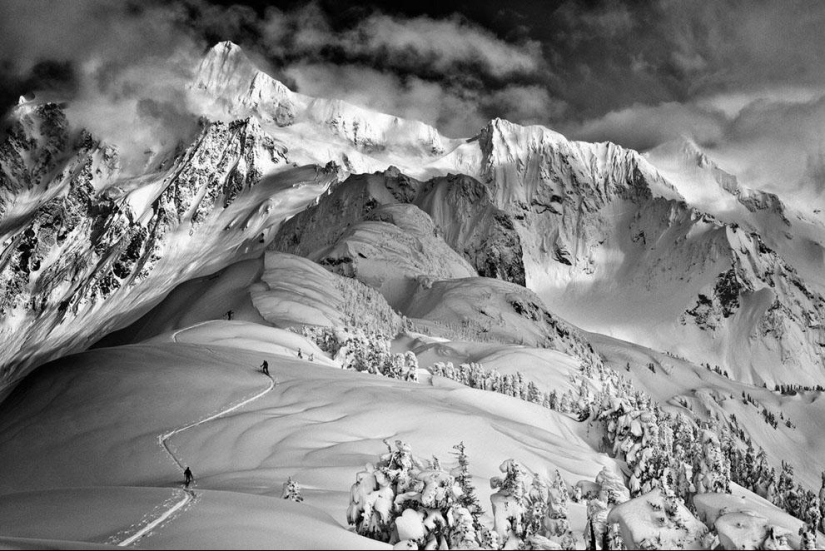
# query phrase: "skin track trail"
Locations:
[[188, 495]]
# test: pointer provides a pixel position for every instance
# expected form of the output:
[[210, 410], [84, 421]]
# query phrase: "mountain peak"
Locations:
[[237, 86], [224, 65], [227, 46]]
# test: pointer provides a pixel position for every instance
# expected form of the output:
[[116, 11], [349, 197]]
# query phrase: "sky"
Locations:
[[745, 79]]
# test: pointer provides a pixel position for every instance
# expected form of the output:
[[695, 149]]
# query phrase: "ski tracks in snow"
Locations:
[[188, 495]]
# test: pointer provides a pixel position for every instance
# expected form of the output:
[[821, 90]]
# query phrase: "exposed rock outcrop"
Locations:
[[459, 207]]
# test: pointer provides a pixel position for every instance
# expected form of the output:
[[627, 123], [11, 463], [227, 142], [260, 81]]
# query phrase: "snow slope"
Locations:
[[319, 424]]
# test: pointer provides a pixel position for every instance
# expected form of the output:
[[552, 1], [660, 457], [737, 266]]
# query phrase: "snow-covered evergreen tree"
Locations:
[[469, 498], [399, 500], [509, 503], [410, 367], [292, 491]]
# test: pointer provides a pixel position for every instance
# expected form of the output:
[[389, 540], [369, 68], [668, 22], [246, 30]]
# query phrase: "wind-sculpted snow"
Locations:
[[706, 185], [393, 250], [490, 309]]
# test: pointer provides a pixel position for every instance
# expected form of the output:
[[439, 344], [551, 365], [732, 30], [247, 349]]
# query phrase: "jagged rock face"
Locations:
[[87, 255], [33, 147], [470, 223], [556, 190], [762, 304], [41, 157], [459, 207], [722, 303], [611, 246]]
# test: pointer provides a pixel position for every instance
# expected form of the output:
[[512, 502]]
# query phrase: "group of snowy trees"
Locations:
[[672, 452], [718, 370], [367, 351], [662, 449], [793, 390], [413, 505], [401, 500], [371, 353], [475, 375]]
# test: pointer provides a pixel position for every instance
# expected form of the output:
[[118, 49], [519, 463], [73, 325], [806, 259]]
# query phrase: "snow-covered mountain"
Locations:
[[604, 229], [614, 247], [575, 287], [85, 251], [679, 257]]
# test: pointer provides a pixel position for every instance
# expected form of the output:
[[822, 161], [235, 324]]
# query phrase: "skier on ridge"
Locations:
[[265, 368], [187, 476]]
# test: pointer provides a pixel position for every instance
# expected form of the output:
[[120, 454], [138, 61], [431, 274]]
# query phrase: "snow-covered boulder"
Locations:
[[744, 517], [657, 520]]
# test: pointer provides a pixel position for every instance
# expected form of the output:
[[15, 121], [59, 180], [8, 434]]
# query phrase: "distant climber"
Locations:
[[265, 368], [187, 477], [229, 315], [311, 357], [300, 354]]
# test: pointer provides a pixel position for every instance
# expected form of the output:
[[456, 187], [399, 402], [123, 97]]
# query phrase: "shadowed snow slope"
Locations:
[[459, 213], [491, 309]]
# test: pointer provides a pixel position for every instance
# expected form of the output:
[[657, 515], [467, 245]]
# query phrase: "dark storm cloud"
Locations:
[[612, 55], [448, 72], [104, 57], [445, 70]]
